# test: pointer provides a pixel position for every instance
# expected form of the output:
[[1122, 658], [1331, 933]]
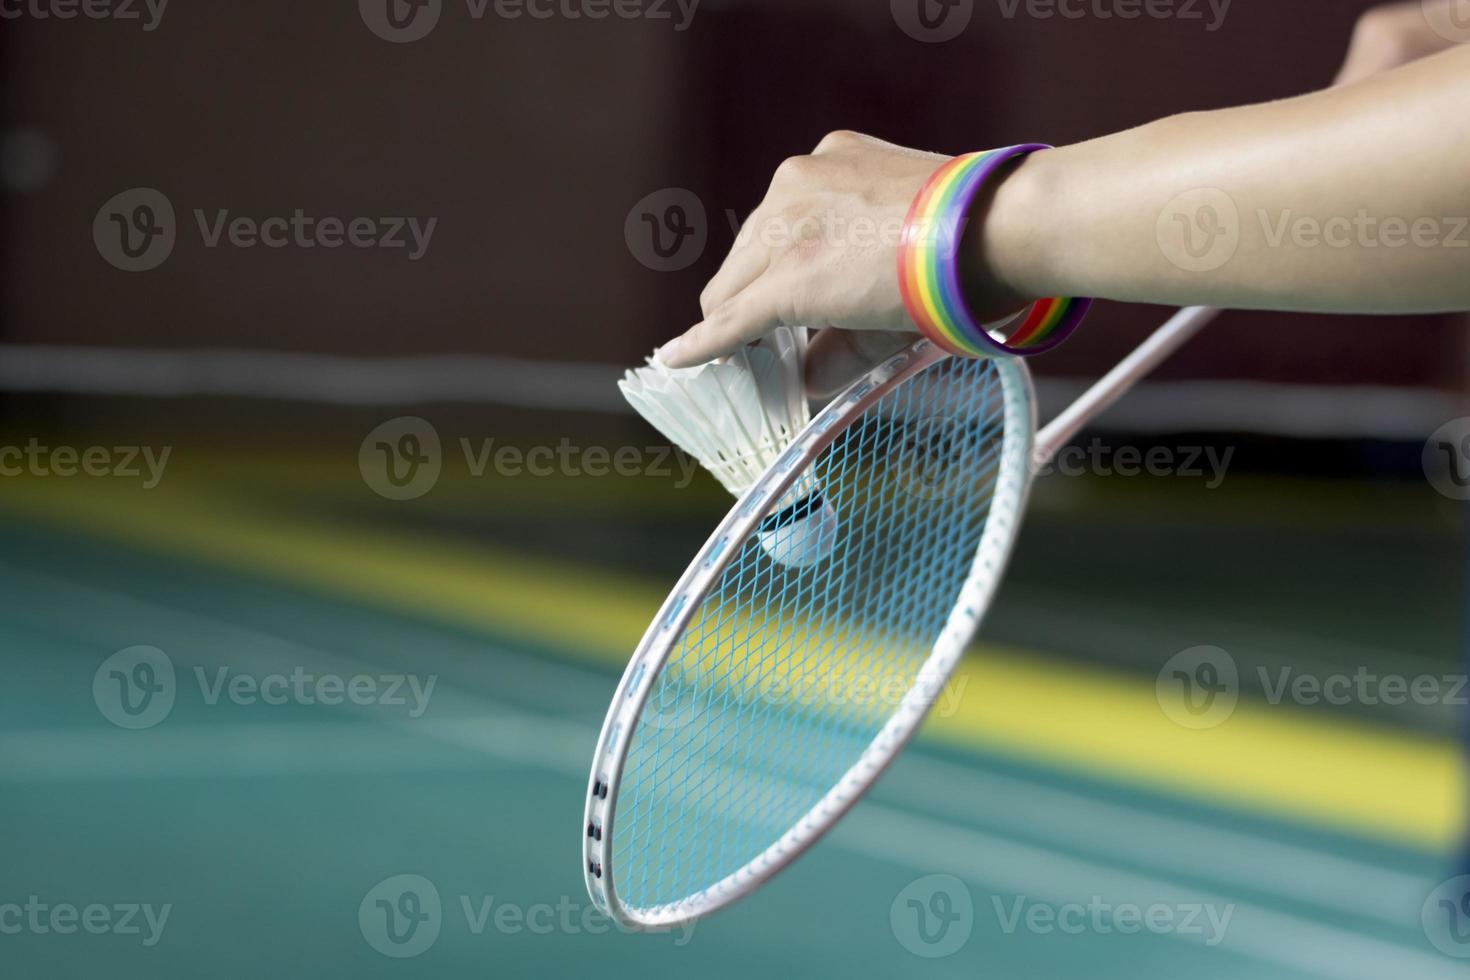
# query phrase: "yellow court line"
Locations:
[[1339, 774], [1353, 777]]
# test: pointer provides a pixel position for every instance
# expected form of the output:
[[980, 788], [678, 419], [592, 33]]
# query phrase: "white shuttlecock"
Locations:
[[736, 417]]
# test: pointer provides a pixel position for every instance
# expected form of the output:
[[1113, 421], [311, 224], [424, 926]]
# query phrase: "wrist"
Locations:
[[932, 274], [1008, 239]]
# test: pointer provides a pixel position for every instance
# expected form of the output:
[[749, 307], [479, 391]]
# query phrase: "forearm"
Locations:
[[1348, 200]]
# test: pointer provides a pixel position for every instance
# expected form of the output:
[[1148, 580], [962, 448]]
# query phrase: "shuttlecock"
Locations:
[[736, 416]]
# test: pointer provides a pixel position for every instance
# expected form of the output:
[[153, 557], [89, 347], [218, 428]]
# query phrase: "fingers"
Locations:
[[754, 312], [752, 255], [846, 141], [744, 265], [835, 357], [793, 263]]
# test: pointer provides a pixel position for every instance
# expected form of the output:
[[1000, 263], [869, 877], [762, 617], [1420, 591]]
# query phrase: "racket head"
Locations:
[[696, 721]]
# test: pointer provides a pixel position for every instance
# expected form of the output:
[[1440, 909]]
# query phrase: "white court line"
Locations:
[[873, 829], [1331, 882], [229, 644], [1295, 410], [486, 726], [189, 750], [1163, 627], [1212, 405], [1255, 932], [315, 378]]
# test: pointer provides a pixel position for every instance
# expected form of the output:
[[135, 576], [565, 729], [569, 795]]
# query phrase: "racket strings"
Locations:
[[785, 676]]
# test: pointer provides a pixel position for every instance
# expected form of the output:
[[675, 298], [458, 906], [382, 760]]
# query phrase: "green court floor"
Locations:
[[267, 831]]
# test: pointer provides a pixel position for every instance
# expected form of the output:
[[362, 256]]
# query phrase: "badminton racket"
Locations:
[[764, 699]]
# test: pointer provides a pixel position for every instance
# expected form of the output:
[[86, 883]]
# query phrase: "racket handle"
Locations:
[[1116, 383]]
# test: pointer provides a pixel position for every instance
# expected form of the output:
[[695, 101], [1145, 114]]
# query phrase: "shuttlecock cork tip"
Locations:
[[802, 534]]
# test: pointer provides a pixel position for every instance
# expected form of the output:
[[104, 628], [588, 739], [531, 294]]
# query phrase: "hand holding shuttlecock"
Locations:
[[736, 417]]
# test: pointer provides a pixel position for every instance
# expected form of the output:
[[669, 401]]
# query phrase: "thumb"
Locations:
[[835, 357]]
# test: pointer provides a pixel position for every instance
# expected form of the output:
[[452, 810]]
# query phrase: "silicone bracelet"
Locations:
[[929, 273]]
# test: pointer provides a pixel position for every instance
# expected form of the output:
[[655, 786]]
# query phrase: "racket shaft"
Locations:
[[1160, 345]]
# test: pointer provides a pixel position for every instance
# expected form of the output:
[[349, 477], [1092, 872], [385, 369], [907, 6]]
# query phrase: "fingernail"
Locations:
[[668, 354]]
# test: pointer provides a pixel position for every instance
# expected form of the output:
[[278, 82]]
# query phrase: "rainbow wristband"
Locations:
[[929, 275]]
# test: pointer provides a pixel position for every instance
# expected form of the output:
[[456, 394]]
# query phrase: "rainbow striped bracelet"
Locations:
[[929, 275]]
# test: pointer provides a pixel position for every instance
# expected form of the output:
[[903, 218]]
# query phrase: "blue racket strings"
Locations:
[[786, 674]]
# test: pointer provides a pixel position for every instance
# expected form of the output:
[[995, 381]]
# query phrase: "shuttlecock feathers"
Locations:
[[736, 417]]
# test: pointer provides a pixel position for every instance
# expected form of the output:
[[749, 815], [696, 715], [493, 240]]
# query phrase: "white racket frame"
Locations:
[[1023, 452]]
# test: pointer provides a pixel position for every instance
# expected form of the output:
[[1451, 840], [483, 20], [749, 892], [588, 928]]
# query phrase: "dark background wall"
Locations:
[[530, 140]]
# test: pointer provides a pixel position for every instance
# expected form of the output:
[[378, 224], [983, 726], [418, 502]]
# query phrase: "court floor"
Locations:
[[253, 838]]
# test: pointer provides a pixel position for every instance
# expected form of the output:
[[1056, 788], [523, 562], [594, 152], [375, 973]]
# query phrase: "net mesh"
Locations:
[[786, 674]]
